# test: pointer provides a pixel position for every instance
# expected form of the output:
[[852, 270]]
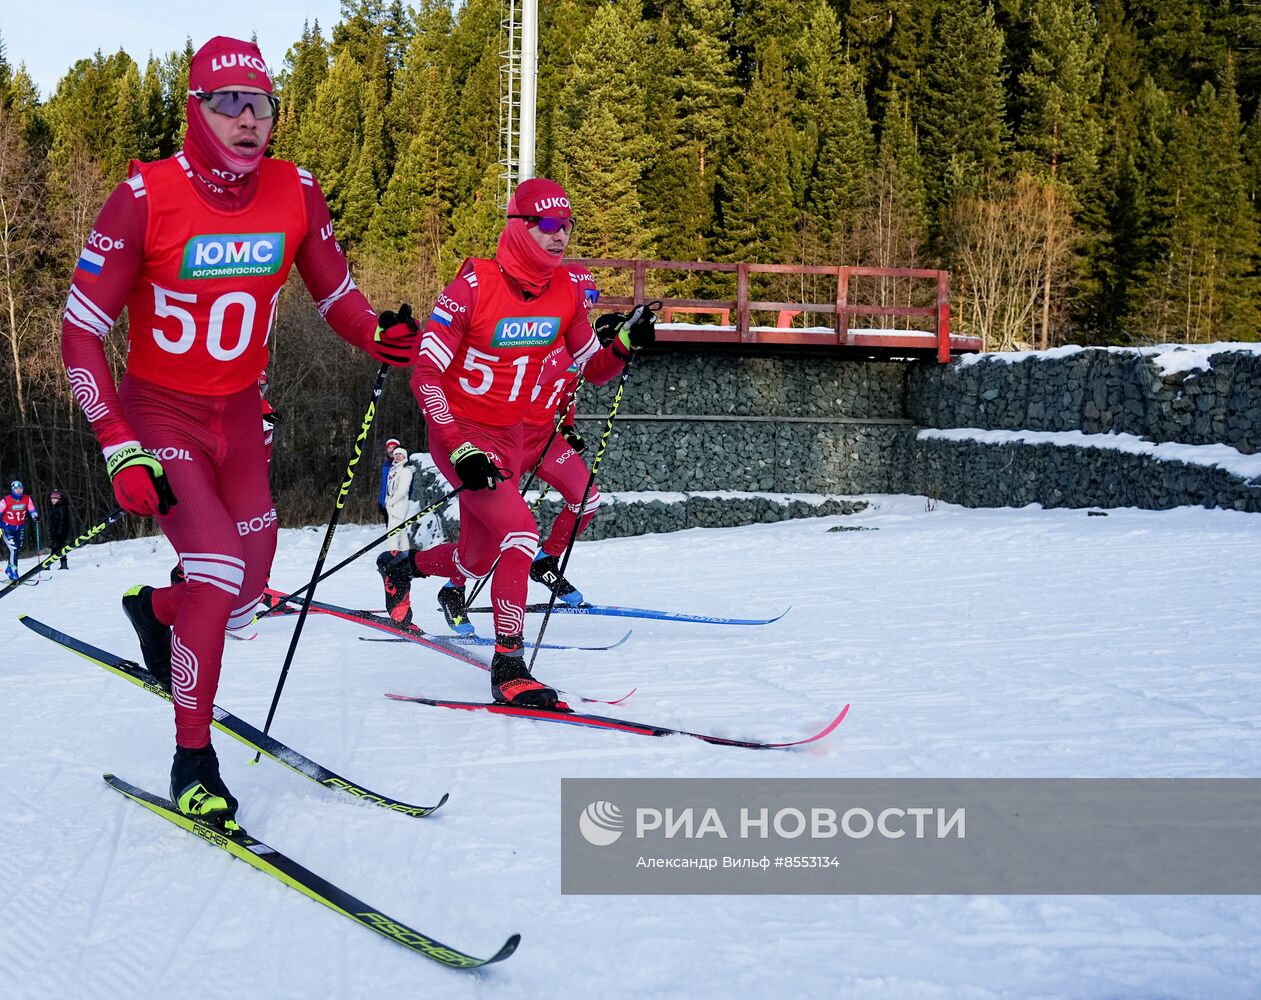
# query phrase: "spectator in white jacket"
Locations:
[[398, 490]]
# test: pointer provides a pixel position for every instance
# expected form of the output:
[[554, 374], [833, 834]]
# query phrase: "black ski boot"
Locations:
[[198, 791], [451, 600], [546, 570], [511, 682], [155, 638], [397, 570]]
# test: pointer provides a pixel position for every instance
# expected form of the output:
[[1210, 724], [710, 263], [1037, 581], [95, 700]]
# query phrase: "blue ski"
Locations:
[[584, 608]]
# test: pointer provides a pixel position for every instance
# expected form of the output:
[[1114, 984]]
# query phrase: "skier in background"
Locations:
[[14, 506], [60, 523], [198, 247], [480, 358]]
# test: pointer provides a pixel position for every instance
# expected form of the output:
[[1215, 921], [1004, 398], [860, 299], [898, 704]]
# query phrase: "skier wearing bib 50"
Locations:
[[480, 357], [197, 247]]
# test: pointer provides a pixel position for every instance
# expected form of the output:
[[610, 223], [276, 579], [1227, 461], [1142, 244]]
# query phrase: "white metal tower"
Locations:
[[518, 72]]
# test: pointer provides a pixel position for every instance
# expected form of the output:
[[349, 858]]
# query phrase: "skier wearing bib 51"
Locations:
[[480, 358], [197, 247]]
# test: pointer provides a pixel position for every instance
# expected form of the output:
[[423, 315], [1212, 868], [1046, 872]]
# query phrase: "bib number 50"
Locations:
[[240, 305]]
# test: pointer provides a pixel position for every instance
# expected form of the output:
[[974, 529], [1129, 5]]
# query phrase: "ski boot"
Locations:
[[155, 638], [511, 681], [11, 572], [451, 600], [198, 791], [397, 572], [546, 570]]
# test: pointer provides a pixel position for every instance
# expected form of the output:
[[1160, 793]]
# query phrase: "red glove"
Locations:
[[140, 485], [396, 339]]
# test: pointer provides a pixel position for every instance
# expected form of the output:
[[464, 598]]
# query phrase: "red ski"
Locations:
[[567, 716]]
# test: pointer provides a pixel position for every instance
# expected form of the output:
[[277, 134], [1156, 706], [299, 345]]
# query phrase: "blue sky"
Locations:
[[49, 35]]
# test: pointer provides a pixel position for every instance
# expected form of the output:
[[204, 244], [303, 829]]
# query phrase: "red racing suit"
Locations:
[[481, 355], [201, 284]]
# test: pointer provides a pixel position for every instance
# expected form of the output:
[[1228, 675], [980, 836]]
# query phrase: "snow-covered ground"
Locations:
[[987, 643]]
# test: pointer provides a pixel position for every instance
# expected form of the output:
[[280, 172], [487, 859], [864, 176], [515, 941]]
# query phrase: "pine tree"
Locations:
[[601, 139], [359, 202], [1059, 127], [410, 223], [1059, 86], [838, 199], [690, 113], [330, 134], [475, 225], [963, 133], [128, 124], [306, 69], [755, 198], [909, 53], [899, 202], [1203, 284], [823, 74]]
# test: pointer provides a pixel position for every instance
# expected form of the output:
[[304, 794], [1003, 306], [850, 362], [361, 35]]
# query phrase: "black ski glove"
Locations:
[[474, 467], [576, 441]]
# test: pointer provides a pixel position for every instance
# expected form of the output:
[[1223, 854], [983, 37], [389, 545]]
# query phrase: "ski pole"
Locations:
[[83, 539], [595, 464], [367, 548], [366, 425]]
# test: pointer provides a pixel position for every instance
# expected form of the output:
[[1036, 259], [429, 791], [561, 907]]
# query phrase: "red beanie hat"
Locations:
[[223, 63], [539, 196]]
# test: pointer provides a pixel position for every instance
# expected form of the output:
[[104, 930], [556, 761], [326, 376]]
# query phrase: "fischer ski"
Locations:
[[561, 608], [566, 716], [411, 632], [267, 859], [226, 722]]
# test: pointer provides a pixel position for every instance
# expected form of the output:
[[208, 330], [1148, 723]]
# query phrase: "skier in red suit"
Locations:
[[197, 247], [481, 354], [14, 506]]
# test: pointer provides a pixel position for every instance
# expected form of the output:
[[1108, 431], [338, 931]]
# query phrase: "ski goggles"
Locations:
[[234, 102], [546, 223]]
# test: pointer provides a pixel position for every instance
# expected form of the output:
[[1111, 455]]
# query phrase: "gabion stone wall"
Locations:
[[685, 383], [687, 456], [1096, 390], [977, 474], [793, 423]]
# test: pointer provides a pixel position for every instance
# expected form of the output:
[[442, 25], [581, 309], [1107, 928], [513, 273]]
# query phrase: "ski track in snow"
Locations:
[[971, 643]]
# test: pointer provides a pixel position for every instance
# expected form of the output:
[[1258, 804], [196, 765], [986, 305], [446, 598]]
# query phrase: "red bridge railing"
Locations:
[[843, 307]]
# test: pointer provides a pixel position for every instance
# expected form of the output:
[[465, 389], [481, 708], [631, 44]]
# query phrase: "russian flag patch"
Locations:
[[440, 316], [90, 264]]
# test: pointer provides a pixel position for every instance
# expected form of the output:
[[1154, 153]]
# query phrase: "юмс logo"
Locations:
[[601, 823]]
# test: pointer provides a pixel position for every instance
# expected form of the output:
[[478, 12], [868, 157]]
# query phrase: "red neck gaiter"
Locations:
[[228, 179], [525, 261]]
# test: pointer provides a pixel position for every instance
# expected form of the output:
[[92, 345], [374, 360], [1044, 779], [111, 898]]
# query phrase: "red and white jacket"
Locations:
[[484, 347], [201, 284]]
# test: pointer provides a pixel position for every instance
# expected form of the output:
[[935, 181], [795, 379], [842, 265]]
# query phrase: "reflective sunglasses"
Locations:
[[546, 223], [234, 102]]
